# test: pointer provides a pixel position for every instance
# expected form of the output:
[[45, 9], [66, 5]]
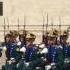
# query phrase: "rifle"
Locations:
[[8, 23], [18, 24], [43, 31], [46, 39], [24, 31], [60, 28], [47, 23], [52, 24], [4, 27]]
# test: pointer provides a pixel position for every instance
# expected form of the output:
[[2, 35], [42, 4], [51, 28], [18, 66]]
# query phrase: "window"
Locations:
[[1, 8]]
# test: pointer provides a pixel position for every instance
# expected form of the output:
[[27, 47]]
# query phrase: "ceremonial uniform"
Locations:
[[8, 66], [65, 50], [69, 51], [52, 49], [66, 56], [11, 47], [59, 58], [30, 54], [8, 50], [52, 53], [12, 54], [55, 54]]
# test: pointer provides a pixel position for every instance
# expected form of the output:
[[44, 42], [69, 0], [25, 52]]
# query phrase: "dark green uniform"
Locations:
[[59, 59]]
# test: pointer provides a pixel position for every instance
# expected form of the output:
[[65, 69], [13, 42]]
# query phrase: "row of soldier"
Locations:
[[52, 54]]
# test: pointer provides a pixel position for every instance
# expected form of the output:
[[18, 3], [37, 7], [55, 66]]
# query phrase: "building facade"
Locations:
[[33, 12]]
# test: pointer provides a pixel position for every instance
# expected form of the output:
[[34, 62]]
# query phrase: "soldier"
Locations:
[[32, 57], [7, 43], [51, 56], [10, 45], [52, 50], [52, 47], [30, 53], [30, 47], [65, 46], [59, 56]]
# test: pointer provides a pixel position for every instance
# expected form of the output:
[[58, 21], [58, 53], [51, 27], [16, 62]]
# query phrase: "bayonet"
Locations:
[[43, 29], [4, 27], [18, 24], [47, 23]]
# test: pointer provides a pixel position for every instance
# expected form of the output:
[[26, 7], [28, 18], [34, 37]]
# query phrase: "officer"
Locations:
[[32, 56], [55, 55], [7, 43], [30, 47], [10, 41], [51, 56], [10, 45], [30, 53], [59, 56], [14, 48], [64, 44], [66, 52], [52, 47]]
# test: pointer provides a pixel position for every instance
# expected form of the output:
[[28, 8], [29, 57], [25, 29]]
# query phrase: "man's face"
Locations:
[[29, 41], [58, 42], [63, 40], [21, 39], [7, 39], [50, 42], [13, 39]]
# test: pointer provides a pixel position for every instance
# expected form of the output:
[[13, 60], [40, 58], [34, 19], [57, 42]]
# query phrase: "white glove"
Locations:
[[27, 64], [44, 51], [18, 43], [9, 62], [4, 48], [52, 64], [60, 47], [23, 49], [47, 67], [17, 39], [42, 46], [12, 59], [17, 49]]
